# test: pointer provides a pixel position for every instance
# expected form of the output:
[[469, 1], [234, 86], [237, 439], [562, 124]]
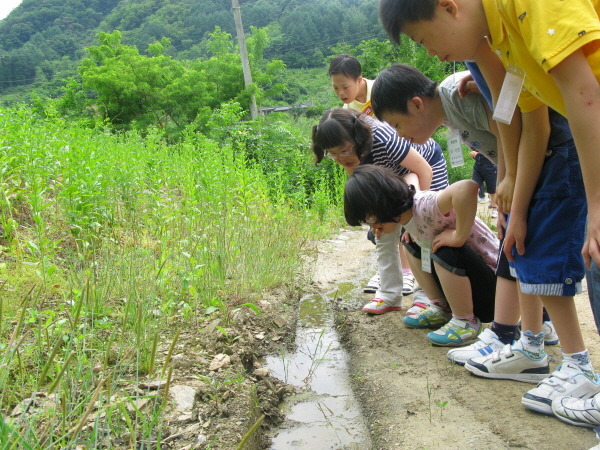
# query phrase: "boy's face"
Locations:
[[450, 36], [416, 126], [345, 87]]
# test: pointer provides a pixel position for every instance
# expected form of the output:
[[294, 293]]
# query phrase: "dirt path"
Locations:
[[392, 367]]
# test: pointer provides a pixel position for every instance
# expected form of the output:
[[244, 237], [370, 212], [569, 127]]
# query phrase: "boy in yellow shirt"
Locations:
[[550, 48], [349, 85]]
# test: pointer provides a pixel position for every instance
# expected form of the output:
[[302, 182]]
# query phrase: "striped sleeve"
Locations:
[[389, 149]]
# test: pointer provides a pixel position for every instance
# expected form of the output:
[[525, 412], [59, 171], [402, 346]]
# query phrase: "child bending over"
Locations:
[[460, 278]]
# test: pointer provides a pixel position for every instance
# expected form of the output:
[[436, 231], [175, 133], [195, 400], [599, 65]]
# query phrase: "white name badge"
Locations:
[[455, 149], [509, 95], [426, 256]]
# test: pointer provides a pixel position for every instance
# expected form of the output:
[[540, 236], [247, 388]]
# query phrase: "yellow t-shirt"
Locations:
[[536, 35], [364, 108]]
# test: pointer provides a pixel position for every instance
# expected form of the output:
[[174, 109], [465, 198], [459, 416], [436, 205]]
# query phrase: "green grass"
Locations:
[[112, 243]]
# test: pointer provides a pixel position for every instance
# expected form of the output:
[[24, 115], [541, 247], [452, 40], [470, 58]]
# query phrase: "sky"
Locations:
[[6, 6]]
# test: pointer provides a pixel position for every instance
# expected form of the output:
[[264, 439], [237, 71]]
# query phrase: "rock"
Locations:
[[220, 361], [154, 385], [21, 407], [213, 325], [181, 362], [261, 373], [183, 396], [259, 336], [279, 321]]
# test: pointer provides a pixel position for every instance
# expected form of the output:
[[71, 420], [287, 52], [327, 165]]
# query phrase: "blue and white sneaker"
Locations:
[[567, 380], [431, 317], [487, 344], [510, 363], [455, 333]]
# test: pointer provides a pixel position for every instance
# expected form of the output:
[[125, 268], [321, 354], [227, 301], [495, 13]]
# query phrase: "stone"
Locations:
[[221, 361], [262, 372], [154, 385], [184, 397], [279, 321]]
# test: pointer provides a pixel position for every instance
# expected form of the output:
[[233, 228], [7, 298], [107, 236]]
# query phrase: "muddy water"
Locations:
[[324, 414]]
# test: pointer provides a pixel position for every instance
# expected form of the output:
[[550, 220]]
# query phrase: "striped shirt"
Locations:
[[389, 150]]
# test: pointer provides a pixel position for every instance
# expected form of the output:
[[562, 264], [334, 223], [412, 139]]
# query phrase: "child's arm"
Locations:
[[532, 152], [581, 94], [493, 71], [420, 167], [462, 198]]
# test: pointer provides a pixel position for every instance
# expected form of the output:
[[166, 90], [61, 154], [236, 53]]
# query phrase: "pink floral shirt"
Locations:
[[428, 221]]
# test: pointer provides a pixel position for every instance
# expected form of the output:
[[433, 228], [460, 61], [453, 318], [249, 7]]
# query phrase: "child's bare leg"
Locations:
[[531, 312], [564, 316], [457, 290], [425, 280], [506, 310]]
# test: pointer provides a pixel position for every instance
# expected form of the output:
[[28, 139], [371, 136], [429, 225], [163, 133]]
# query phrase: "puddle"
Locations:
[[324, 414]]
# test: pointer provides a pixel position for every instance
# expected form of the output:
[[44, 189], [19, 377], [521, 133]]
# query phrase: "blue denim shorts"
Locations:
[[552, 263]]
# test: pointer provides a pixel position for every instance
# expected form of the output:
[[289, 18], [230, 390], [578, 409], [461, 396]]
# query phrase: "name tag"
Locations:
[[367, 109], [509, 95], [426, 256], [455, 149]]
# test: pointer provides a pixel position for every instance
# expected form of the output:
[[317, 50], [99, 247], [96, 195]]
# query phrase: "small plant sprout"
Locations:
[[430, 392], [441, 404]]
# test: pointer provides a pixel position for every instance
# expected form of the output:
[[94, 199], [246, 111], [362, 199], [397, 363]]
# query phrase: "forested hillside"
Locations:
[[43, 41]]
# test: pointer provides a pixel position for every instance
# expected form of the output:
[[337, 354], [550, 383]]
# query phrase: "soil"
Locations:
[[393, 366], [412, 397]]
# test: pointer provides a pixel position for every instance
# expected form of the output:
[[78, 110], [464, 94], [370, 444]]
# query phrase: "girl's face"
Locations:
[[345, 87], [378, 228], [344, 155]]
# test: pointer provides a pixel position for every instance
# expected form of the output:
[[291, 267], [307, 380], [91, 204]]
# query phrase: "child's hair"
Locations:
[[396, 85], [339, 125], [347, 65], [395, 14], [376, 191]]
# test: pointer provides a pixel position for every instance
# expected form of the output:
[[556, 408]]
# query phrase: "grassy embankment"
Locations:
[[110, 244]]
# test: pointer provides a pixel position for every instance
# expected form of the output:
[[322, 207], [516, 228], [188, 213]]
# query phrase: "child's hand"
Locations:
[[591, 247], [504, 194], [473, 154], [406, 237], [501, 224], [446, 238], [466, 85], [515, 236]]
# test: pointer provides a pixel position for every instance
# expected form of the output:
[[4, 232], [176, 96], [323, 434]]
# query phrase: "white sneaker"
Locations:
[[577, 411], [481, 200], [378, 306], [488, 343], [550, 336], [510, 363], [568, 380], [373, 285], [494, 213], [420, 303], [408, 283]]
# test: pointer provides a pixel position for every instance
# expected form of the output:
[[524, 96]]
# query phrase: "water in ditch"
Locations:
[[324, 413]]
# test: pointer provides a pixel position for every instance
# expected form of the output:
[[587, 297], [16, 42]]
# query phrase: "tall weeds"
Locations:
[[110, 244]]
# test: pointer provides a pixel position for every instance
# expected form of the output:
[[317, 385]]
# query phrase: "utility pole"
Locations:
[[237, 15]]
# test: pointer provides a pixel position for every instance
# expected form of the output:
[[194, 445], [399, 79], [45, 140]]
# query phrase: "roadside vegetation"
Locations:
[[141, 205]]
